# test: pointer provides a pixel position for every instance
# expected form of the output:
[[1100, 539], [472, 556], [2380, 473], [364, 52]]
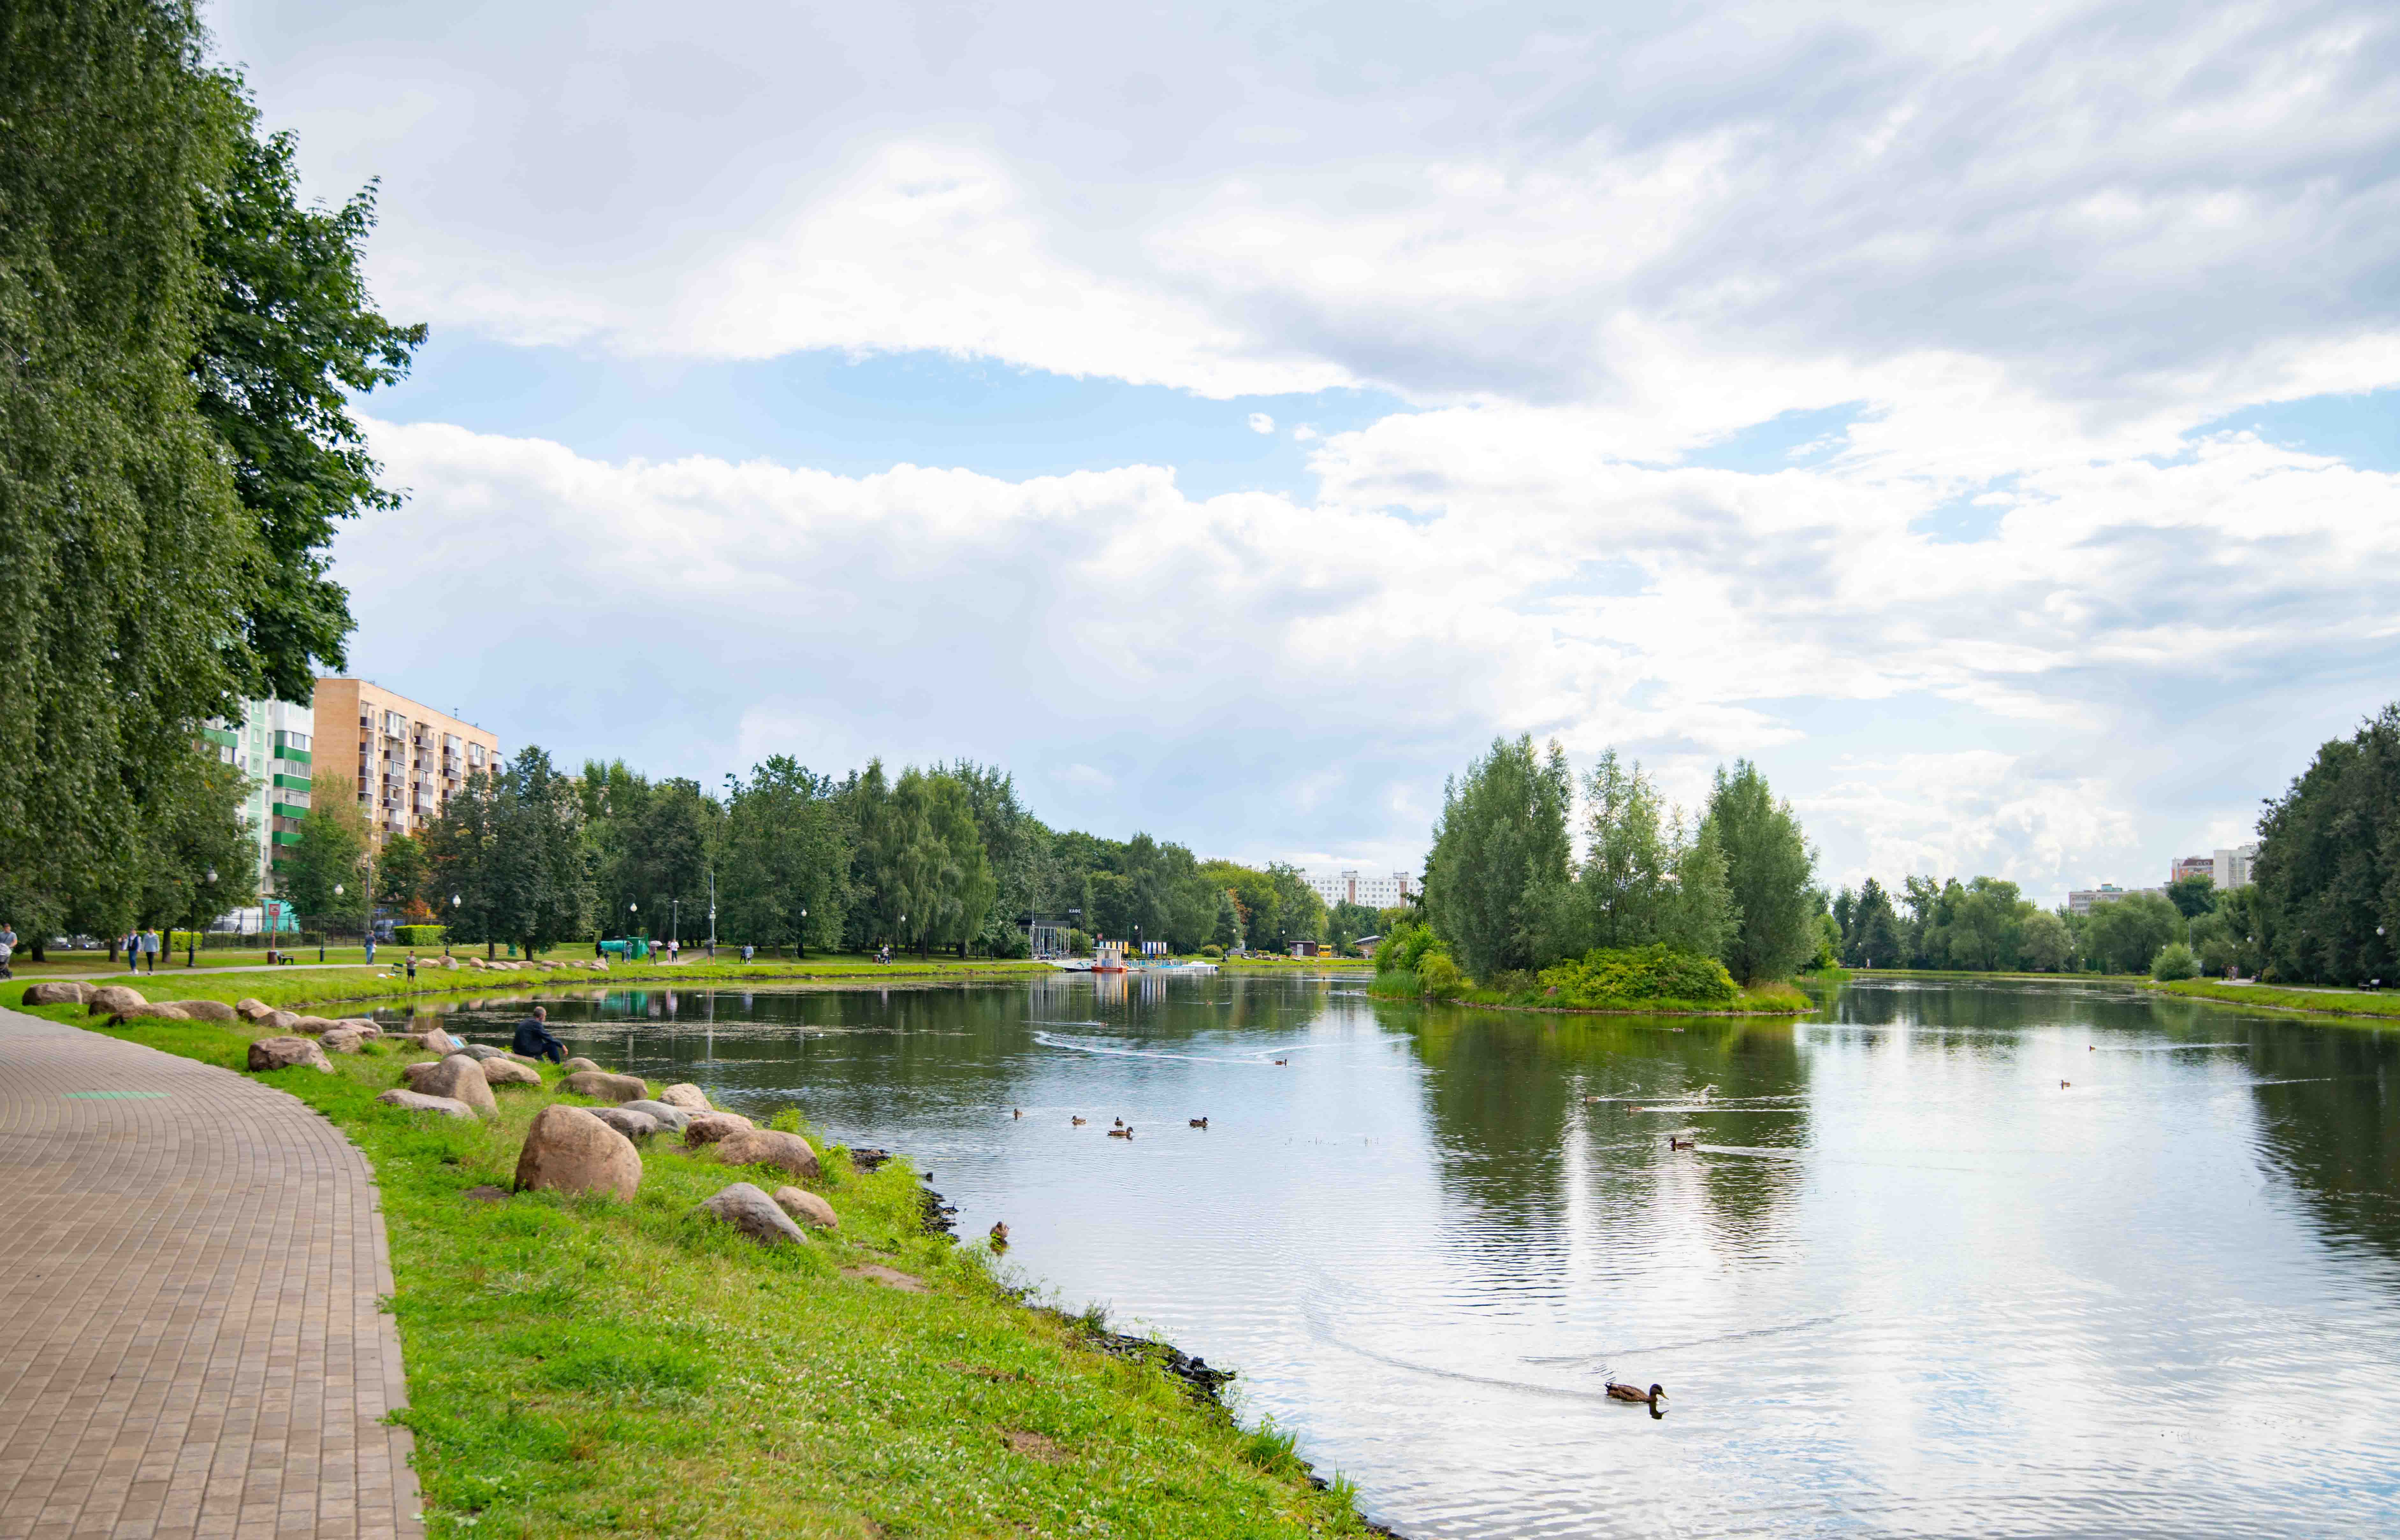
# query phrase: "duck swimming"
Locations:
[[1655, 1395], [1077, 1122], [1675, 1142], [1120, 1132], [1199, 1123], [1000, 1234]]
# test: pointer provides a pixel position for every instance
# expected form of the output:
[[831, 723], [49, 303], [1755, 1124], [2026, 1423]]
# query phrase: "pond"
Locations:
[[2020, 1258]]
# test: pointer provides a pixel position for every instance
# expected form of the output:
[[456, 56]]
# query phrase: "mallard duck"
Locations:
[[1117, 1121], [1000, 1234], [1655, 1395], [1120, 1132], [1199, 1123], [1283, 1061], [2065, 1084], [1017, 1112], [1077, 1122], [1676, 1142]]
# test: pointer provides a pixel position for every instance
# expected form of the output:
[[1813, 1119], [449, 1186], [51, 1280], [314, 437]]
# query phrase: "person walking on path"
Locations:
[[533, 1039], [370, 940], [7, 949], [150, 948], [745, 951]]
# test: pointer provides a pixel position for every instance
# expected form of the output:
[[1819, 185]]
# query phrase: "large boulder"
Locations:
[[207, 1010], [361, 1025], [341, 1040], [568, 1150], [507, 1071], [765, 1147], [480, 1051], [662, 1114], [415, 1101], [600, 1085], [313, 1025], [279, 1021], [433, 1040], [57, 991], [109, 999], [154, 1013], [755, 1214], [252, 1008], [461, 1079], [807, 1208], [690, 1098], [579, 1062], [700, 1128], [414, 1072], [633, 1125], [286, 1053]]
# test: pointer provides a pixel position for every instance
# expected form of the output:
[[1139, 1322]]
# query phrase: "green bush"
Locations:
[[2174, 960], [1440, 977], [1404, 950], [417, 935], [1212, 951], [1657, 971]]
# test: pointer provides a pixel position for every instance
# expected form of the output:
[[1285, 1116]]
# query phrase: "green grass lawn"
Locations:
[[585, 1367], [2313, 1000]]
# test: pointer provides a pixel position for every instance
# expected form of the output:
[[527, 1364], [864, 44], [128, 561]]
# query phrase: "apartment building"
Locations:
[[1350, 887], [2231, 867], [2084, 900], [405, 758], [2190, 865], [273, 745]]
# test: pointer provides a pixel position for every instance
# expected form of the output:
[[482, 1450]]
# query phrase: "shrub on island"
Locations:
[[1613, 975]]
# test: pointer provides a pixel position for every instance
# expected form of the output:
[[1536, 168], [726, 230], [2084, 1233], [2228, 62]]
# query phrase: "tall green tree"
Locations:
[[1769, 870], [1498, 867], [2125, 934], [934, 858], [399, 875], [2049, 947], [287, 337], [128, 560], [539, 887], [460, 846], [332, 853], [198, 858], [1986, 930], [785, 877], [2329, 868], [1872, 938]]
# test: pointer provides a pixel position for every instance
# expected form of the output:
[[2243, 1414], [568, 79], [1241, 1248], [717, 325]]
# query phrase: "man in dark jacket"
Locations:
[[534, 1040]]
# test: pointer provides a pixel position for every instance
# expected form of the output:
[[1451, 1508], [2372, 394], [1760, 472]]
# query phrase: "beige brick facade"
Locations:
[[405, 759]]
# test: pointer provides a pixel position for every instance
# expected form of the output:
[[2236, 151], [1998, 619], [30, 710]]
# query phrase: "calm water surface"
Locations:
[[1908, 1283]]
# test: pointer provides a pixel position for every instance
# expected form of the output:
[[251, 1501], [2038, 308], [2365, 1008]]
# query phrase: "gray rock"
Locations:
[[313, 1025], [279, 1021], [154, 1013], [661, 1113], [690, 1098], [633, 1125], [765, 1147], [602, 1086], [807, 1208], [415, 1101], [109, 999], [57, 991], [755, 1214], [507, 1071], [461, 1079], [708, 1127], [285, 1052], [207, 1010], [568, 1150], [252, 1008], [577, 1063], [341, 1040], [479, 1051], [360, 1025]]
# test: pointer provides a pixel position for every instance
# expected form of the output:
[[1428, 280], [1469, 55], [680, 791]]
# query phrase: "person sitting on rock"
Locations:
[[534, 1040]]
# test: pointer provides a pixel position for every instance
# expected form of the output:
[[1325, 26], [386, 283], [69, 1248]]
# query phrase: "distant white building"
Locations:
[[2231, 868], [1351, 887], [2190, 865]]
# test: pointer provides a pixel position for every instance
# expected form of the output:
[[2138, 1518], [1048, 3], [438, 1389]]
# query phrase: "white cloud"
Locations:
[[1261, 423], [1260, 673]]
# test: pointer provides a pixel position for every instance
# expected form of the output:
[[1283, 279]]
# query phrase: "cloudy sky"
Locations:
[[1230, 416]]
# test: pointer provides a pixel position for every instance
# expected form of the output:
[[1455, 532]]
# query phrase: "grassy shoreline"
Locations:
[[580, 1365], [2355, 1004], [1772, 999]]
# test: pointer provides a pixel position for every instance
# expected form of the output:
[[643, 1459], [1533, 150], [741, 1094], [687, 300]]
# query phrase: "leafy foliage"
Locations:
[[2174, 961], [1497, 874], [1768, 866], [1607, 976], [2329, 867]]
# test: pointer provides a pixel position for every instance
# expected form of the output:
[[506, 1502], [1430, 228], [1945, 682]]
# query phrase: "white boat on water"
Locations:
[[1071, 964]]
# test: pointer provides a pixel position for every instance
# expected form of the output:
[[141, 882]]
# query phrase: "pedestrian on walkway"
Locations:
[[7, 949], [370, 940], [150, 948], [745, 951], [533, 1038], [412, 965]]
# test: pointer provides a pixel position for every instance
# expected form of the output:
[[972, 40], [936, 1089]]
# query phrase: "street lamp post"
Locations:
[[321, 928], [712, 914], [456, 899], [804, 930]]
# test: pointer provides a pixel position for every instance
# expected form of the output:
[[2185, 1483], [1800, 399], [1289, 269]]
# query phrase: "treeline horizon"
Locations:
[[945, 856]]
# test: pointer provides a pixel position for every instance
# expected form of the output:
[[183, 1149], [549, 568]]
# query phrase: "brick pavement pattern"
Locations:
[[190, 1342]]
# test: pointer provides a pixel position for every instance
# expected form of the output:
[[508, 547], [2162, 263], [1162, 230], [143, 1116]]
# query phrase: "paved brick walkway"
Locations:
[[189, 1338]]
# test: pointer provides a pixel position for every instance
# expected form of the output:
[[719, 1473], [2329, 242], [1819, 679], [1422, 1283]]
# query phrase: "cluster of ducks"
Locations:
[[1122, 1130]]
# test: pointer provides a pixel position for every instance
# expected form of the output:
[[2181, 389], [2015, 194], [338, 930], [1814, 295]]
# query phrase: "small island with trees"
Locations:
[[1663, 916]]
